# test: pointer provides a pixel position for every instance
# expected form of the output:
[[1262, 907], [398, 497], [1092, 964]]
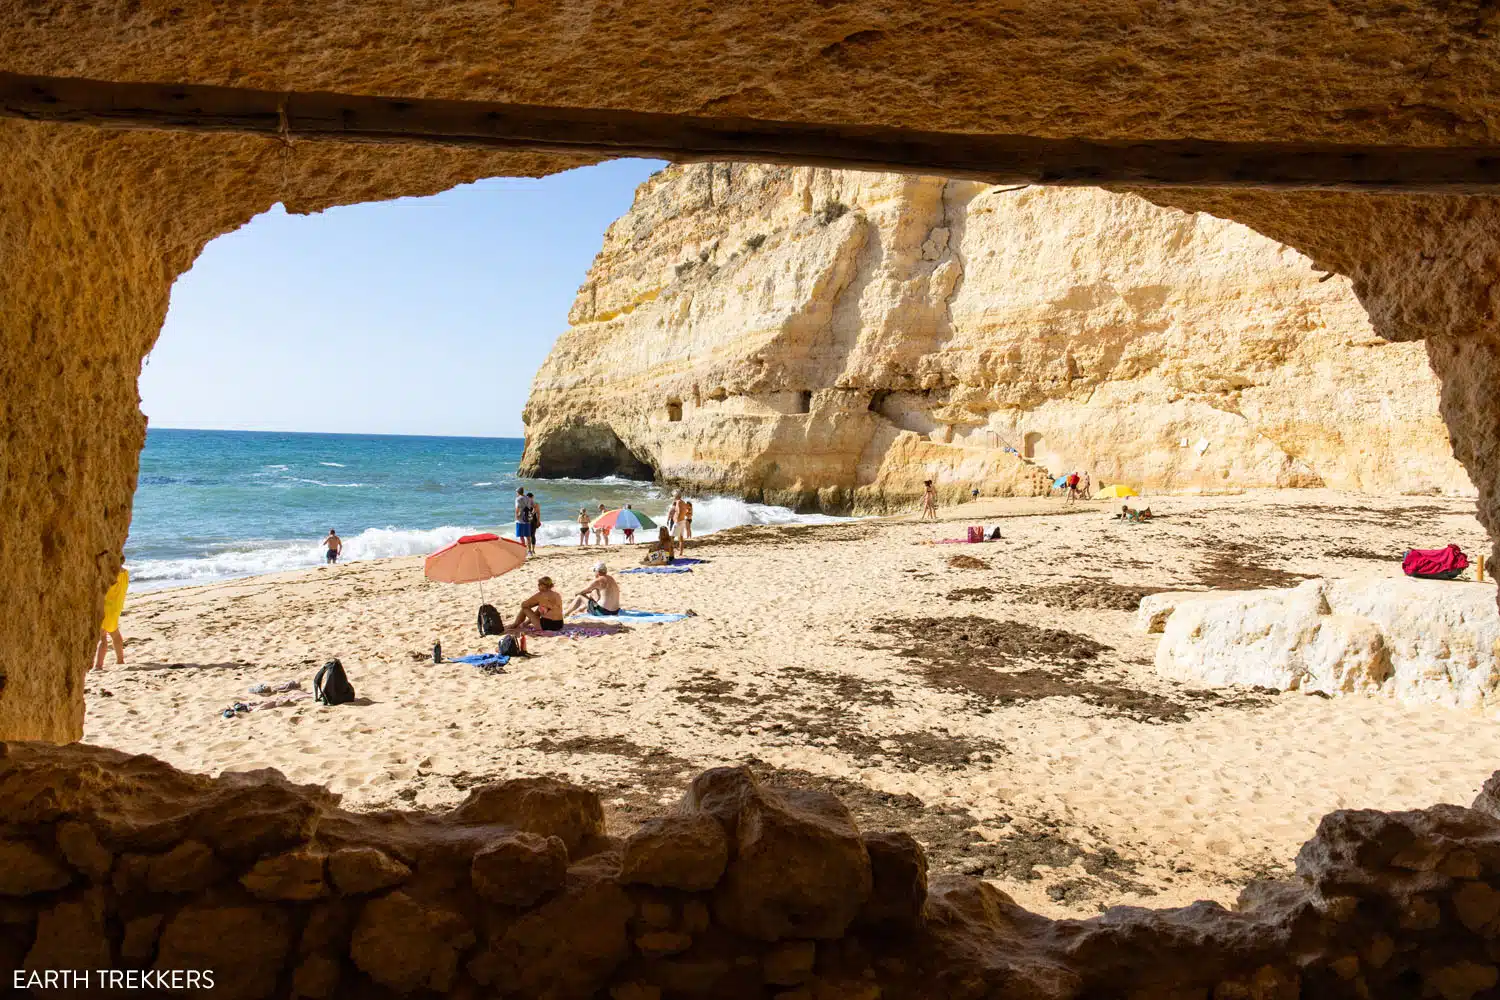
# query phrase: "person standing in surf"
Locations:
[[536, 522], [583, 526], [523, 519], [333, 546]]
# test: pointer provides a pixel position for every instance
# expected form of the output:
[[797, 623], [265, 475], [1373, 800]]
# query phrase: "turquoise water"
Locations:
[[211, 505]]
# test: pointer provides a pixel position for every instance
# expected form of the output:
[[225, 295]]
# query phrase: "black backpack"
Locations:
[[489, 621], [331, 686], [510, 647]]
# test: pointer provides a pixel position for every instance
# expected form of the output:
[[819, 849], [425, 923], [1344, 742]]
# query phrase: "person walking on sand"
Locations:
[[583, 527], [542, 610], [601, 535], [109, 631], [536, 522], [605, 588], [334, 546], [523, 519], [687, 507], [677, 518], [1072, 487], [1083, 487], [929, 501]]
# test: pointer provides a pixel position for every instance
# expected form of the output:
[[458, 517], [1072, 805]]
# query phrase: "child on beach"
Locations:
[[114, 603]]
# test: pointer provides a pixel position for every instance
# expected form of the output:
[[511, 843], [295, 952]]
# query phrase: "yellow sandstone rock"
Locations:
[[830, 339]]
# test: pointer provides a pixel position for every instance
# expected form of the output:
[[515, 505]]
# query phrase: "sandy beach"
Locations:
[[1005, 711]]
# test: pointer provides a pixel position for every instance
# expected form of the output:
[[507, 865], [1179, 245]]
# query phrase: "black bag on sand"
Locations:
[[510, 647], [489, 621], [331, 686]]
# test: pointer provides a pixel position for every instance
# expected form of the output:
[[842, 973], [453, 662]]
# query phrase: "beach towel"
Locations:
[[658, 569], [282, 688], [633, 618], [683, 561], [583, 628], [284, 701], [490, 663], [957, 541], [1435, 564]]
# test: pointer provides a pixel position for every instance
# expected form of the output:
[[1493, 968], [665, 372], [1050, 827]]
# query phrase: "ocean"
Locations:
[[214, 505]]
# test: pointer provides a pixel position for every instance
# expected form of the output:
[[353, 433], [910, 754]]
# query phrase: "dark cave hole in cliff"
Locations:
[[674, 410], [804, 401]]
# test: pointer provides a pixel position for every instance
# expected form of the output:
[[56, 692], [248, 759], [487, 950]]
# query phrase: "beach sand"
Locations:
[[1040, 752]]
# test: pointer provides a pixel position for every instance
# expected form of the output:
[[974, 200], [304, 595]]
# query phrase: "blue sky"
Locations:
[[416, 316]]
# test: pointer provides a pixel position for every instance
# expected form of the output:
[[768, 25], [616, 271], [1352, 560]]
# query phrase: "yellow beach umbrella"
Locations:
[[1117, 490]]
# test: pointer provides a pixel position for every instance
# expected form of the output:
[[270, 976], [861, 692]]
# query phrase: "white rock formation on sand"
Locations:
[[830, 339], [1425, 641]]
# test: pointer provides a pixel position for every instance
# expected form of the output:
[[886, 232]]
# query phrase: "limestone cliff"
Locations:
[[830, 339]]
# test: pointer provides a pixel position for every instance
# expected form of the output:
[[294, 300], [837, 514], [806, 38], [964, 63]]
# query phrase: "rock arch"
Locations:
[[95, 225]]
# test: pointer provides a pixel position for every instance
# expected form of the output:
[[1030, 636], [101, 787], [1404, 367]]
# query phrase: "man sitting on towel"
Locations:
[[605, 588], [541, 610]]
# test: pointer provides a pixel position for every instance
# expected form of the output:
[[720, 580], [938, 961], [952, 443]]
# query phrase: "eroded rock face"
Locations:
[[1422, 641], [1383, 905], [831, 339]]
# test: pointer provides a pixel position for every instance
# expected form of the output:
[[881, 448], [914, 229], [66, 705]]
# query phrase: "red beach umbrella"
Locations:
[[474, 558]]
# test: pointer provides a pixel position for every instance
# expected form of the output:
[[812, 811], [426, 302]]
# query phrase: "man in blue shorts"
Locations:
[[523, 520]]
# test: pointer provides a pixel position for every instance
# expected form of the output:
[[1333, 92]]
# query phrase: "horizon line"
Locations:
[[241, 430]]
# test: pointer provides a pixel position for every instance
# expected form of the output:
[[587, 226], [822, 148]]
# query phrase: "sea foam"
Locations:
[[255, 558]]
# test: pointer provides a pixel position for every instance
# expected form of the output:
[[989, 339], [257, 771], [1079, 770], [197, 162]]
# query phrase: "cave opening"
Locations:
[[1019, 855], [674, 410]]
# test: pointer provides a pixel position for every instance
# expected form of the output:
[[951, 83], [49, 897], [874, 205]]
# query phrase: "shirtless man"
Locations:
[[335, 545], [605, 588], [541, 610]]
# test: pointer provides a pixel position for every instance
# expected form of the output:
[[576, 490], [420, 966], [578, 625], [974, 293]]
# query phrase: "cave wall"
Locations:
[[94, 226], [743, 891]]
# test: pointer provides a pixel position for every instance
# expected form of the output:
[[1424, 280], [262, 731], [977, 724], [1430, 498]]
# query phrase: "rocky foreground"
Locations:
[[740, 891]]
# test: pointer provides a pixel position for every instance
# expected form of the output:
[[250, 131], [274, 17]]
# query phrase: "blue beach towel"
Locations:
[[490, 663], [632, 618], [683, 561], [658, 569]]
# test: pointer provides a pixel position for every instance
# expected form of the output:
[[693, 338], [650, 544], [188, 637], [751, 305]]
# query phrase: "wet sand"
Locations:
[[1003, 709]]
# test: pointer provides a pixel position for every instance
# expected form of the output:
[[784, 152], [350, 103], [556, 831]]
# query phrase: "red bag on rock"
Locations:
[[1435, 564]]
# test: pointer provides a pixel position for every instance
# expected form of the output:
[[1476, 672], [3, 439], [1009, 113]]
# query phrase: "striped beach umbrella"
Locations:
[[622, 518]]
